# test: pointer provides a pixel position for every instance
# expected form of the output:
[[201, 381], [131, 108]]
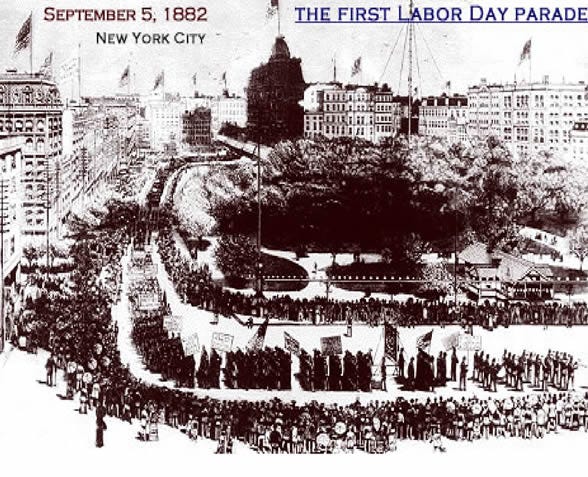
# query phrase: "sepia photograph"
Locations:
[[293, 227]]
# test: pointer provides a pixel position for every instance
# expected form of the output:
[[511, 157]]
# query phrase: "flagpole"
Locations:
[[530, 60], [80, 71], [279, 22], [31, 45]]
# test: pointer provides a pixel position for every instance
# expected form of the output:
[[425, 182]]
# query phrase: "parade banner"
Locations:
[[451, 341], [469, 342], [191, 344], [172, 323], [148, 301], [331, 345], [222, 341]]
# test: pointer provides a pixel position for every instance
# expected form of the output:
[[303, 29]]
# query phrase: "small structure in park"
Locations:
[[497, 275]]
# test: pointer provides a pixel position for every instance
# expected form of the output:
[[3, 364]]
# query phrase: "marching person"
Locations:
[[463, 374], [100, 425]]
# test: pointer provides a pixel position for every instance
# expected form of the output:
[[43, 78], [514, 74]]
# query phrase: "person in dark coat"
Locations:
[[410, 373], [401, 363], [454, 362], [100, 425]]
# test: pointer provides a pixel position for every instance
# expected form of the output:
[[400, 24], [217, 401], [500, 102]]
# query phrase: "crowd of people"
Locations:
[[268, 368], [195, 285], [319, 372], [75, 325], [555, 369]]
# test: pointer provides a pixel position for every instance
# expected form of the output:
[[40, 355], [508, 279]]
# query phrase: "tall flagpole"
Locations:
[[80, 71], [31, 46], [530, 59], [279, 22]]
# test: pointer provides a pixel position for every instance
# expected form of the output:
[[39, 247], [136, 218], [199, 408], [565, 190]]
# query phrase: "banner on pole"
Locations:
[[469, 342], [191, 344], [222, 341], [291, 344], [331, 345]]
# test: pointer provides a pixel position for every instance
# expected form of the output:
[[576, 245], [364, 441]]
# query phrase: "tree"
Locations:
[[578, 243], [236, 256], [438, 281]]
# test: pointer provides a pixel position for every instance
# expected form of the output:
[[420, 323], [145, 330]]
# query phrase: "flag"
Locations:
[[194, 79], [526, 53], [224, 77], [448, 85], [451, 341], [159, 80], [390, 341], [271, 11], [291, 344], [125, 77], [424, 341], [23, 38], [256, 341], [356, 67], [47, 68]]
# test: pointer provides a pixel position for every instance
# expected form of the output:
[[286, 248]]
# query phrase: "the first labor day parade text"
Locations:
[[454, 14]]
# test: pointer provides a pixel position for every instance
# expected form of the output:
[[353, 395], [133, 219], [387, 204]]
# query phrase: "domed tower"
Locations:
[[273, 95]]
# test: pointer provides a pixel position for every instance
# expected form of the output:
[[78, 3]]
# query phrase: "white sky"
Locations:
[[239, 37]]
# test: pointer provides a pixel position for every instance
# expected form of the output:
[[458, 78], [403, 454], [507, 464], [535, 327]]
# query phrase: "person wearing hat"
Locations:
[[463, 374], [100, 425]]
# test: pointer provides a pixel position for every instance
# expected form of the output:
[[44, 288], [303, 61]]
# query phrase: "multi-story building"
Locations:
[[273, 95], [165, 122], [366, 112], [11, 219], [196, 128], [579, 141], [387, 114], [11, 200], [529, 117], [445, 117], [31, 107], [228, 109]]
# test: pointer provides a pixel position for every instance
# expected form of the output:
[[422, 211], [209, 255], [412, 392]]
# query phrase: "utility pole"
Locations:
[[259, 263], [47, 206], [2, 261], [410, 35]]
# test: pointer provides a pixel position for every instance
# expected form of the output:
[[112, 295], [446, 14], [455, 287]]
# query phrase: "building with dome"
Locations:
[[274, 93]]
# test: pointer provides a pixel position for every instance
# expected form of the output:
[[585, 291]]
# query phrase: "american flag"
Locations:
[[125, 77], [356, 69], [291, 344], [23, 38], [256, 341], [159, 80], [526, 53], [424, 341]]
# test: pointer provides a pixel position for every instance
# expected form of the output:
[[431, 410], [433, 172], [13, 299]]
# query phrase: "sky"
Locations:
[[239, 37]]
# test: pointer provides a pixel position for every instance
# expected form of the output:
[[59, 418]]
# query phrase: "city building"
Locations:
[[228, 109], [31, 107], [444, 117], [497, 276], [196, 130], [332, 110], [165, 122], [529, 117], [11, 220], [579, 140], [273, 95]]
